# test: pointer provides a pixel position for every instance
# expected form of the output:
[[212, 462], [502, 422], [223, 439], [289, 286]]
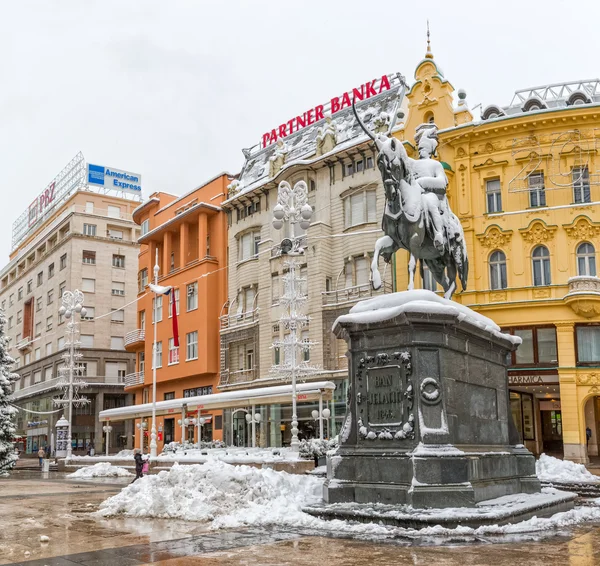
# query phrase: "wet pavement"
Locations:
[[34, 504]]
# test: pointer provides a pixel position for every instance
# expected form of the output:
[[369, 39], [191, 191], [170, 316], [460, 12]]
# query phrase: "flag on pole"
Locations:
[[169, 292]]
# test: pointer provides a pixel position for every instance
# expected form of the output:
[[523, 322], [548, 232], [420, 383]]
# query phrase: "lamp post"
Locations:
[[253, 419], [292, 208], [72, 302], [321, 415], [142, 427], [153, 430], [107, 429]]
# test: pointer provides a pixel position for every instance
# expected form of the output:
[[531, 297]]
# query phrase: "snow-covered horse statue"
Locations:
[[417, 216]]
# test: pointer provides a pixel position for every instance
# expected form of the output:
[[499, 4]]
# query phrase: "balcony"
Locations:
[[135, 339], [132, 379], [584, 296], [238, 320], [92, 381], [24, 345], [238, 376], [353, 294]]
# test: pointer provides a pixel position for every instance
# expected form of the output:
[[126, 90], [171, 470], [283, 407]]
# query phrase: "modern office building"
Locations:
[[189, 234], [77, 234]]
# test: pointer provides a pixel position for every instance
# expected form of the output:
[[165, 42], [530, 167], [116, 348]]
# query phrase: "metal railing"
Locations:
[[353, 294], [238, 319], [136, 378], [137, 335]]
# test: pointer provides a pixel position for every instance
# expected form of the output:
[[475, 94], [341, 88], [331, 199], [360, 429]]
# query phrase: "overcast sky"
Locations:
[[173, 90]]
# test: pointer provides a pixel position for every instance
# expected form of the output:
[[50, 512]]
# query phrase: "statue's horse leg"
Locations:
[[412, 265], [385, 242], [450, 279]]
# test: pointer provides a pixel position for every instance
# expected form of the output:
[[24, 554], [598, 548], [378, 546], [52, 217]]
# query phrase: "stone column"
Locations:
[[202, 234], [184, 232]]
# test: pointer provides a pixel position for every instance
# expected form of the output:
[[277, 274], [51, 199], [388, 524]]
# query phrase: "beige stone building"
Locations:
[[87, 242], [338, 165]]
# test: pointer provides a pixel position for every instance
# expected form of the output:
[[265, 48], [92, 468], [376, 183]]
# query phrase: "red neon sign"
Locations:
[[337, 103]]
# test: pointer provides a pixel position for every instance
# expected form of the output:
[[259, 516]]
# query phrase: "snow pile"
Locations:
[[124, 454], [229, 455], [551, 469], [230, 496], [100, 470]]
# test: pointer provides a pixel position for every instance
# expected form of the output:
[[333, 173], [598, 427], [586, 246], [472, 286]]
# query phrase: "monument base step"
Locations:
[[500, 511]]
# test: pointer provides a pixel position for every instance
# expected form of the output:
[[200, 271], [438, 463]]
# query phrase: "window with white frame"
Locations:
[[157, 303], [118, 260], [581, 184], [540, 259], [360, 208], [87, 340], [142, 319], [141, 361], [61, 343], [192, 296], [305, 346], [114, 234], [50, 297], [117, 343], [19, 294], [88, 285], [115, 369], [118, 289], [173, 294], [40, 278], [114, 211], [143, 278], [158, 355], [498, 270], [49, 323], [48, 373], [63, 261], [38, 304], [275, 289], [145, 226], [248, 245], [37, 354], [89, 229], [537, 189], [88, 257], [494, 195], [48, 348], [586, 260], [90, 313], [192, 345], [357, 271], [37, 376], [117, 316], [19, 317], [173, 352], [38, 328]]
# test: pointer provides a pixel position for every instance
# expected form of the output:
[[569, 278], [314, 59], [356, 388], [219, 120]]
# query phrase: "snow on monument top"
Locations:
[[388, 306]]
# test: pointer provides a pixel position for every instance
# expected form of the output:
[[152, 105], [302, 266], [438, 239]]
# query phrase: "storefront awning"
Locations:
[[311, 391]]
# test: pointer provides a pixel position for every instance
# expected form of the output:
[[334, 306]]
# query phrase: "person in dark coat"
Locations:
[[139, 464]]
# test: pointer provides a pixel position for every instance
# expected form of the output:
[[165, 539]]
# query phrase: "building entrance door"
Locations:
[[169, 430], [552, 432]]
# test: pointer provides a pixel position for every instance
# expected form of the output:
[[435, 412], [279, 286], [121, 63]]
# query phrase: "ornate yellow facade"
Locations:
[[525, 182]]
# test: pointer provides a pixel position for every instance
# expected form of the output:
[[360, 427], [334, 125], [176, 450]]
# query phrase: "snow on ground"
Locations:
[[100, 470], [551, 469], [234, 496], [231, 455]]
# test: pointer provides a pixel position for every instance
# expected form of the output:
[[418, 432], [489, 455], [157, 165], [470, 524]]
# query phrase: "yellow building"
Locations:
[[524, 181]]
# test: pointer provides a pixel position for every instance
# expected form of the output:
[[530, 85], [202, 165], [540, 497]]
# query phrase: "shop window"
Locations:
[[498, 270], [541, 266], [538, 347], [521, 405], [588, 344], [581, 184], [586, 260], [537, 190], [494, 195]]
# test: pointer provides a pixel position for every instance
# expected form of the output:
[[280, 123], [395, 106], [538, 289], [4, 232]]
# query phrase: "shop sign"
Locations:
[[337, 103], [549, 405], [33, 424], [532, 379]]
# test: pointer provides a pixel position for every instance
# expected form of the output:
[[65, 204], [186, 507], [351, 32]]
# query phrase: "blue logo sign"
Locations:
[[96, 174]]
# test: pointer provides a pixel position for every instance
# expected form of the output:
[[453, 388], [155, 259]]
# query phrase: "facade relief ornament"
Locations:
[[277, 160], [495, 237], [592, 378], [538, 232], [582, 228]]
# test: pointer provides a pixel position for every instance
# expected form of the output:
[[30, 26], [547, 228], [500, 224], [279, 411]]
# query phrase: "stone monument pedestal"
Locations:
[[428, 419]]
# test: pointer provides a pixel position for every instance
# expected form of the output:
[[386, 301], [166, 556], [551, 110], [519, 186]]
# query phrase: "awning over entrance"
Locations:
[[311, 391]]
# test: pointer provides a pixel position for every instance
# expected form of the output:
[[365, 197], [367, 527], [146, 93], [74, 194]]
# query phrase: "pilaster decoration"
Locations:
[[592, 378], [538, 232], [582, 228], [495, 237]]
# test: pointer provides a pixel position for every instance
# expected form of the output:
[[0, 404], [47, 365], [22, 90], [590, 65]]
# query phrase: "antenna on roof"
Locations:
[[429, 54]]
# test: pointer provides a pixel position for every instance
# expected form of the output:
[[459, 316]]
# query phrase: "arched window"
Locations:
[[586, 260], [429, 118], [498, 270], [541, 266], [429, 282]]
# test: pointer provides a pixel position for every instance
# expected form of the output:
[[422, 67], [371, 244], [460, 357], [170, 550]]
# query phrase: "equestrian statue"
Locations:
[[417, 216]]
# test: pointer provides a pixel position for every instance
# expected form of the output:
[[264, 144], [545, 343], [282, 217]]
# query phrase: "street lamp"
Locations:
[[253, 419], [142, 427], [107, 429], [72, 302], [292, 208], [320, 416], [153, 445]]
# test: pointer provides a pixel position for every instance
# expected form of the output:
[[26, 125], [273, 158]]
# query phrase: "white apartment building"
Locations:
[[88, 241], [337, 162]]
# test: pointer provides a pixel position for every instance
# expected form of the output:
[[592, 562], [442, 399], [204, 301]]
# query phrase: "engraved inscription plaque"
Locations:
[[385, 396]]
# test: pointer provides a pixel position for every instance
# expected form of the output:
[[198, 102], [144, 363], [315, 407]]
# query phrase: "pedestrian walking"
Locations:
[[41, 455], [139, 464], [588, 435]]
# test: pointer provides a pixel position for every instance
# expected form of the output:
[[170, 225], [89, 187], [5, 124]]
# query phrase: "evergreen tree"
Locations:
[[8, 458]]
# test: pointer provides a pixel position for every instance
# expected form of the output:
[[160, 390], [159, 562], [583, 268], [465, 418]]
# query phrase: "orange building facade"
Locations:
[[188, 235]]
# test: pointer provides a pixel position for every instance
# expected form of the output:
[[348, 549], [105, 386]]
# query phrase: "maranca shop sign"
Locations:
[[337, 103]]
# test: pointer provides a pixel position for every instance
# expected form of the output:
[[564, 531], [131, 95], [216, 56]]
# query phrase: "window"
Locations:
[[61, 289], [541, 266], [10, 322], [349, 169], [141, 361], [37, 375], [37, 353], [19, 317], [588, 344], [142, 320], [143, 279], [170, 395], [248, 245], [173, 352], [159, 354], [538, 346], [50, 271], [369, 163], [89, 229], [29, 286], [11, 300], [173, 294], [494, 195], [115, 369], [27, 358], [537, 191], [89, 257], [38, 328], [117, 316], [197, 391], [89, 207], [40, 278], [88, 285], [360, 165], [157, 303], [192, 345], [275, 289], [581, 184], [115, 234], [90, 313], [357, 271], [50, 297], [48, 370], [114, 211], [118, 289], [61, 343], [63, 261], [247, 298], [19, 294], [145, 227], [118, 260], [117, 343], [49, 323], [246, 357], [87, 340], [586, 260], [360, 208], [192, 296], [498, 270], [305, 346], [38, 304], [172, 262], [429, 282]]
